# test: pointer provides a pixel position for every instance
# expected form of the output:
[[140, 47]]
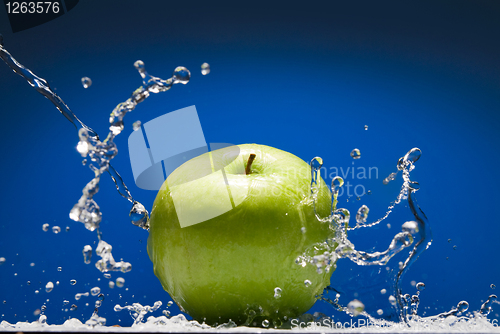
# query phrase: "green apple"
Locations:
[[224, 243]]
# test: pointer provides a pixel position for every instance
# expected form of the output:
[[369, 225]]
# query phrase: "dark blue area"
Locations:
[[305, 77]]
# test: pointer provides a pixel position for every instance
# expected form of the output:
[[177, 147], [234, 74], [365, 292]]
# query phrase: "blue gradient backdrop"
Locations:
[[305, 77]]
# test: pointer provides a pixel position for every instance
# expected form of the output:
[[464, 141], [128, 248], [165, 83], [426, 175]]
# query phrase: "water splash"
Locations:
[[390, 178], [339, 217], [107, 262], [362, 215], [100, 153], [137, 311], [486, 307], [416, 233]]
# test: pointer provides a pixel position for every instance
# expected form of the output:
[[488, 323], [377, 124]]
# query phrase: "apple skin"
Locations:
[[227, 268]]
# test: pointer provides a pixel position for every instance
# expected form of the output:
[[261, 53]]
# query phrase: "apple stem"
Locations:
[[251, 157]]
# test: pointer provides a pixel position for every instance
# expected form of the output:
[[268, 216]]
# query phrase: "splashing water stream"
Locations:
[[101, 153], [418, 230]]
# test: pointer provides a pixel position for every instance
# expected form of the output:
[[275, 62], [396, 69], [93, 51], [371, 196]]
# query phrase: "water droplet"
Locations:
[[139, 65], [486, 307], [410, 227], [45, 227], [356, 153], [392, 300], [390, 178], [277, 292], [366, 127], [307, 283], [80, 295], [420, 286], [83, 148], [120, 282], [355, 307], [108, 276], [413, 155], [42, 319], [265, 323], [43, 308], [49, 286], [205, 68], [59, 268], [72, 282], [449, 240], [73, 307], [67, 228], [316, 163], [136, 125], [337, 183], [380, 311], [383, 291], [95, 291], [86, 82], [111, 284], [369, 192], [455, 247], [181, 75], [139, 216], [56, 229], [463, 306], [493, 286], [303, 229], [170, 303], [2, 260], [87, 254], [362, 214]]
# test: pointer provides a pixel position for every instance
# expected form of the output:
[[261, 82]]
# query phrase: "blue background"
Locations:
[[305, 77]]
